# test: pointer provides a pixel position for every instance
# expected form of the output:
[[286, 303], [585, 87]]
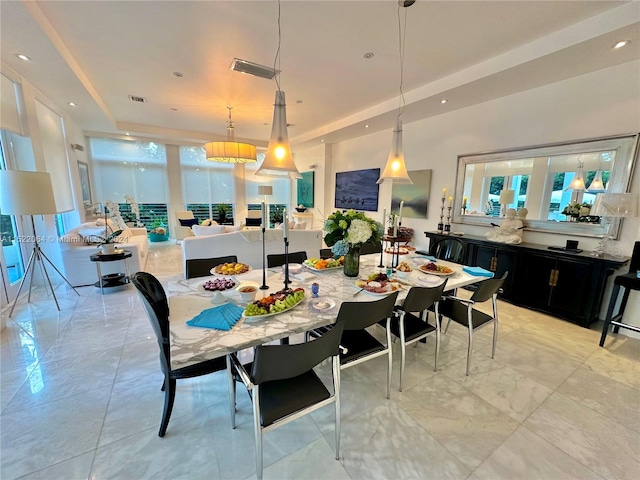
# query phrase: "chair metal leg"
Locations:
[[495, 337], [169, 397], [623, 305], [469, 349], [402, 349], [446, 327], [612, 304], [336, 386], [257, 430], [232, 392], [390, 358], [435, 363]]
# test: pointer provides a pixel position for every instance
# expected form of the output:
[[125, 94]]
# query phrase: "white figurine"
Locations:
[[509, 230]]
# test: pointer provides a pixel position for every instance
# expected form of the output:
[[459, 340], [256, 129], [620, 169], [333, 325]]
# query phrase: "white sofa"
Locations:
[[75, 253], [247, 245]]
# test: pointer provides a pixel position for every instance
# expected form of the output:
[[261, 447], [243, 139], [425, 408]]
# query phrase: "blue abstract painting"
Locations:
[[358, 189]]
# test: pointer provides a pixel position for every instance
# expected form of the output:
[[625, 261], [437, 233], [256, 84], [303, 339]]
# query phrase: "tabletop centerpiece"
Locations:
[[345, 232]]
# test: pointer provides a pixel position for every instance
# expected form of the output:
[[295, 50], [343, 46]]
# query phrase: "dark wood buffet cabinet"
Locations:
[[562, 284]]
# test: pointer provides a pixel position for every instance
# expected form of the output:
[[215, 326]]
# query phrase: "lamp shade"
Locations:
[[596, 184], [507, 197], [230, 152], [615, 205], [395, 171], [26, 193], [265, 190], [578, 180], [278, 161]]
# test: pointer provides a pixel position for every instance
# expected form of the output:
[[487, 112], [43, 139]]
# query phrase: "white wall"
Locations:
[[606, 102]]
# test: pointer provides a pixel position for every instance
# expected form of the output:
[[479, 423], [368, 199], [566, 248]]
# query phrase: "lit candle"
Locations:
[[264, 215], [450, 201], [444, 193], [400, 213], [285, 224], [395, 226], [464, 201]]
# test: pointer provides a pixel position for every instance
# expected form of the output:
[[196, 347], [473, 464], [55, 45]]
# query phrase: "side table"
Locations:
[[112, 279]]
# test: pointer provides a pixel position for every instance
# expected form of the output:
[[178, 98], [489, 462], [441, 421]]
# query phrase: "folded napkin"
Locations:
[[303, 276], [477, 271], [222, 318], [428, 257]]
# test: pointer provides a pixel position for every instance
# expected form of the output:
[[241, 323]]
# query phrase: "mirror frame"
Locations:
[[626, 147]]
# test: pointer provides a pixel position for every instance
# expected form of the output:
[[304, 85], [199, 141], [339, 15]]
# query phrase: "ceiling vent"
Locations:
[[135, 98], [250, 68]]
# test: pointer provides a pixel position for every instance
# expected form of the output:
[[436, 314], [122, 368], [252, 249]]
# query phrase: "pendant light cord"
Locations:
[[276, 60], [401, 44]]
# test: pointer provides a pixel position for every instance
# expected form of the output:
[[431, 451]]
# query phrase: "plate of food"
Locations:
[[403, 270], [399, 250], [216, 285], [433, 269], [273, 304], [322, 264], [230, 269], [378, 284], [430, 280]]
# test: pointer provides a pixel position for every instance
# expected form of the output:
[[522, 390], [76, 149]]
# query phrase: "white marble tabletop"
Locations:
[[191, 345]]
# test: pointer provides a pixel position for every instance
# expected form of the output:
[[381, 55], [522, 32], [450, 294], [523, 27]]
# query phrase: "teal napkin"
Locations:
[[477, 271], [222, 318]]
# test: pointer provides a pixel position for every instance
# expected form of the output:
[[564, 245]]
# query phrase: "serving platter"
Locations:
[[251, 318], [435, 272], [213, 272], [322, 269], [395, 287], [201, 289]]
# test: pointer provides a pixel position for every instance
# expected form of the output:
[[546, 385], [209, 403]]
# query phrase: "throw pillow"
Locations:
[[199, 230], [188, 222], [90, 234], [208, 222]]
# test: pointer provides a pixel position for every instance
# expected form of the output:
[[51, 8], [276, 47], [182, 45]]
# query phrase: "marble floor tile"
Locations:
[[525, 456], [313, 461], [36, 438], [10, 383], [609, 397], [139, 359], [371, 448], [147, 456], [504, 388], [465, 424], [77, 468], [596, 441], [621, 368], [20, 350]]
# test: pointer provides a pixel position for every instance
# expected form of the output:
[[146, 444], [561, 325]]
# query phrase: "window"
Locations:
[[281, 186]]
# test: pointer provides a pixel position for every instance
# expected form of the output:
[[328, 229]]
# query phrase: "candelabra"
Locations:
[[286, 263], [447, 227], [264, 285], [441, 224]]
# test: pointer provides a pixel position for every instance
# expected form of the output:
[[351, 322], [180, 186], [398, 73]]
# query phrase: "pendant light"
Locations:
[[396, 171], [230, 151], [577, 184], [597, 186], [278, 161]]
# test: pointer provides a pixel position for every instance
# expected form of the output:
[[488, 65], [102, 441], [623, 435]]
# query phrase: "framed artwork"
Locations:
[[358, 189], [83, 168], [305, 189], [415, 197]]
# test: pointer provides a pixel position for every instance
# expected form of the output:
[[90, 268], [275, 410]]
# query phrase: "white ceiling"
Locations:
[[96, 53]]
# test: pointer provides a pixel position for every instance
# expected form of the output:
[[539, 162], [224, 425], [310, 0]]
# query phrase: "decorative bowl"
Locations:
[[301, 210]]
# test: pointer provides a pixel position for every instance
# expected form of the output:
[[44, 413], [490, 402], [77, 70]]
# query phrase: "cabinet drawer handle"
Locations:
[[551, 275], [555, 278]]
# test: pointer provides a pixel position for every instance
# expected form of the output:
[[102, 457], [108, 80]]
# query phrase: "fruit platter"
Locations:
[[378, 284], [320, 264], [217, 285], [434, 269], [274, 303], [232, 268]]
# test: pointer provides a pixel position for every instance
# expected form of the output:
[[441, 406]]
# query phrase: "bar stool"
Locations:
[[628, 281]]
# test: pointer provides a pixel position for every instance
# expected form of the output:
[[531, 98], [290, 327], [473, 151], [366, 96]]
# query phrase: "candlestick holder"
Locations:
[[264, 285], [447, 227], [441, 224], [286, 263]]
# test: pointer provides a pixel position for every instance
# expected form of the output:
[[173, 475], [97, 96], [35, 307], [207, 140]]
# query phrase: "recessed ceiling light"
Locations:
[[444, 100], [22, 57], [126, 133], [265, 123], [71, 104], [368, 55], [322, 140], [298, 101], [178, 74], [366, 126], [174, 109], [621, 44]]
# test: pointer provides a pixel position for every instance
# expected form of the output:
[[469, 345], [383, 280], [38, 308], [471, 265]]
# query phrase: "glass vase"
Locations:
[[352, 261]]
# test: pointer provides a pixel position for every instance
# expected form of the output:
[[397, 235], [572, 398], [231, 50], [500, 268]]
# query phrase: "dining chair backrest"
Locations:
[[370, 247], [420, 298], [634, 264], [201, 267], [450, 249], [326, 253], [279, 362], [488, 288], [360, 315], [154, 300], [278, 259]]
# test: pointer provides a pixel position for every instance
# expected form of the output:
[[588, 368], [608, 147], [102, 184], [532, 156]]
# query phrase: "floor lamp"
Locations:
[[30, 193]]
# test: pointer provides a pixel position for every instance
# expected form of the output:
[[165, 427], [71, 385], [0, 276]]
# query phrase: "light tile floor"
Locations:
[[80, 398]]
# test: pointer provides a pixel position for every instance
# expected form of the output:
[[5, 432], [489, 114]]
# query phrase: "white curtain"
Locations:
[[9, 111], [281, 186], [204, 181]]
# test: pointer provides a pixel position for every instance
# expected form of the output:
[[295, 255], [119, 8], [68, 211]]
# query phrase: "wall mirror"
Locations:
[[544, 180]]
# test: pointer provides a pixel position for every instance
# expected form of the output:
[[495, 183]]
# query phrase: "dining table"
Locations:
[[187, 299]]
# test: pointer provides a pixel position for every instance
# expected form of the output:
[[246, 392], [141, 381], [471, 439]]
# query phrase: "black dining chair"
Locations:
[[201, 267], [276, 260], [326, 253], [461, 311], [283, 385], [370, 247], [628, 282], [155, 303], [410, 328], [449, 249]]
